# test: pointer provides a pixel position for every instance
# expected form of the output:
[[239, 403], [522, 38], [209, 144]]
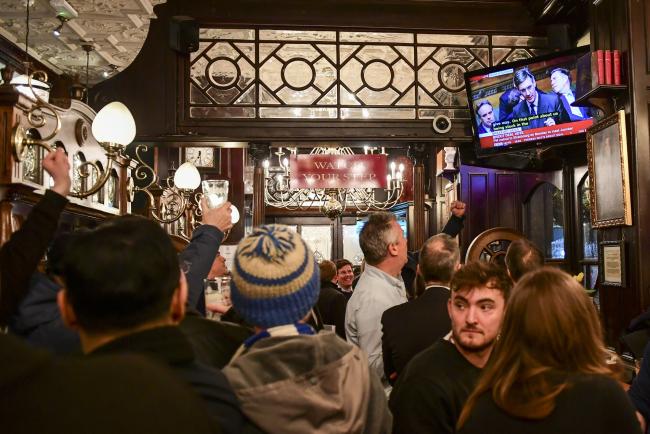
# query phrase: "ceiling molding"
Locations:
[[116, 28]]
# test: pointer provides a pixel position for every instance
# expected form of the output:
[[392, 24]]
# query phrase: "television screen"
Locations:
[[526, 103]]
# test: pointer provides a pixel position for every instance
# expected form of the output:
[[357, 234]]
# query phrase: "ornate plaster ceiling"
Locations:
[[115, 28]]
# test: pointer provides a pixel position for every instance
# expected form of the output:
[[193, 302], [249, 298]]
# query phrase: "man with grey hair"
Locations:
[[380, 286], [411, 327]]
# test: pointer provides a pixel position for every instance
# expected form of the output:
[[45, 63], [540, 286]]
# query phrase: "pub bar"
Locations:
[[336, 216]]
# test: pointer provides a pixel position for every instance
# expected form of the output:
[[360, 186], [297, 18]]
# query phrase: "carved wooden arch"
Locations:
[[491, 245]]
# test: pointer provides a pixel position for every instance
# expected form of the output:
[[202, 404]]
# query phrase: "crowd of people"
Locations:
[[113, 336]]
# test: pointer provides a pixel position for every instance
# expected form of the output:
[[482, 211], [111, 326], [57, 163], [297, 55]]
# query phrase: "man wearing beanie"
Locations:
[[288, 378]]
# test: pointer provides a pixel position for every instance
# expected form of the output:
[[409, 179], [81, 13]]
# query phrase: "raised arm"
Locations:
[[455, 223], [202, 250], [21, 254]]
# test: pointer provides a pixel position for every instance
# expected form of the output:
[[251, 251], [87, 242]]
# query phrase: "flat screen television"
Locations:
[[526, 104]]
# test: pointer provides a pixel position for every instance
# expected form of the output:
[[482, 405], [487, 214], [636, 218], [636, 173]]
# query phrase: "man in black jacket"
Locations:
[[20, 255], [452, 228], [331, 303], [411, 327], [128, 296]]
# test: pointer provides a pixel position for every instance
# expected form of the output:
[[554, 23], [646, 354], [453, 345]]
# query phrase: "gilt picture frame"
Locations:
[[609, 172]]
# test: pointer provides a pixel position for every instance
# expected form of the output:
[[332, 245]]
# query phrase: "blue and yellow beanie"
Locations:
[[275, 278]]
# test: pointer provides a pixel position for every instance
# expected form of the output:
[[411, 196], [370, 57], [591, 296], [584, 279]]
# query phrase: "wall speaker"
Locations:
[[184, 34]]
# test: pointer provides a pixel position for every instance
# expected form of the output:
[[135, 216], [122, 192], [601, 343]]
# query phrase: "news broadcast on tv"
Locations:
[[530, 102]]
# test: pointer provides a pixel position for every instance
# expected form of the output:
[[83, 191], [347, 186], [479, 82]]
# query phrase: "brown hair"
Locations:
[[480, 273], [327, 271], [522, 257], [340, 263], [550, 329]]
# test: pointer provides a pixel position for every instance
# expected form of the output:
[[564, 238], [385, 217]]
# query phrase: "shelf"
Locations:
[[598, 95]]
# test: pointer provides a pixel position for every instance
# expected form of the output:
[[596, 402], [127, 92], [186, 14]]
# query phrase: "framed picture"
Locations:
[[608, 172], [612, 263]]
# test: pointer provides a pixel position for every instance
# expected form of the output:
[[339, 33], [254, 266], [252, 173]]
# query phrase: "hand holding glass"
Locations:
[[216, 193]]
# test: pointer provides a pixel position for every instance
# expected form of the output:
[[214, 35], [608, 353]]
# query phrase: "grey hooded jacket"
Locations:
[[308, 384]]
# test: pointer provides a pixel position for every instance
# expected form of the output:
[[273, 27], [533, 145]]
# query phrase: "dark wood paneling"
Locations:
[[477, 199], [507, 206], [388, 14]]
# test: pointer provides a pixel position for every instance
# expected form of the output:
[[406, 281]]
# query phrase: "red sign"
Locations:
[[338, 171]]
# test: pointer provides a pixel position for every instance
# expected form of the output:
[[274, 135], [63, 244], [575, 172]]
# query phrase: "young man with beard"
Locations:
[[430, 393]]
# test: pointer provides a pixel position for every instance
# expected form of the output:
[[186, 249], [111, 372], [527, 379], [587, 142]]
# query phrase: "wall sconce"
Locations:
[[113, 127], [176, 198]]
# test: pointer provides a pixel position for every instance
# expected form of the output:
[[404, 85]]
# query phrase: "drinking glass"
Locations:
[[216, 193]]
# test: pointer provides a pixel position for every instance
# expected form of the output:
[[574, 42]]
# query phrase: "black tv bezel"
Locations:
[[523, 146]]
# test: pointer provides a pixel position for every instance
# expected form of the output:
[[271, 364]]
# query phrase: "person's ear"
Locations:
[[177, 306], [449, 307], [458, 266], [417, 269], [67, 312], [393, 250]]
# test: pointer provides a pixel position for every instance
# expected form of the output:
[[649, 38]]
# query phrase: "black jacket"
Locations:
[[105, 395], [331, 305], [21, 254], [170, 346], [411, 327], [214, 342]]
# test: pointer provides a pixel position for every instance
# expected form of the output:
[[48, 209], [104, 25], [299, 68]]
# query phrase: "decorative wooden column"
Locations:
[[259, 152], [418, 153]]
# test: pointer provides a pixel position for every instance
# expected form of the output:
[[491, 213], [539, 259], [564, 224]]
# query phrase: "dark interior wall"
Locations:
[[623, 25]]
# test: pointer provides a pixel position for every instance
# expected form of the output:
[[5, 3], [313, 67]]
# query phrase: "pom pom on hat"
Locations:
[[275, 278]]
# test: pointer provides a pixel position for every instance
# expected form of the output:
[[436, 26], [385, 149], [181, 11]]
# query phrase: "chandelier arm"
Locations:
[[180, 206], [84, 173]]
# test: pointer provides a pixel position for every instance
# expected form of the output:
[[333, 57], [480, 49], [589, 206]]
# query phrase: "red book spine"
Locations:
[[608, 67], [617, 66], [601, 67]]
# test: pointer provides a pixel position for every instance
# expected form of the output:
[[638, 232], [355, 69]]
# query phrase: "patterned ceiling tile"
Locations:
[[116, 28]]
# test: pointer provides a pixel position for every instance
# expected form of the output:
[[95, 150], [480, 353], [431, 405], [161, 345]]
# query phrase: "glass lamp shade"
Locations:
[[187, 177], [114, 124]]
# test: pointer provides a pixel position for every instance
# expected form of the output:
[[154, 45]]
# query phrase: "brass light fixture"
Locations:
[[177, 198], [113, 127], [331, 201]]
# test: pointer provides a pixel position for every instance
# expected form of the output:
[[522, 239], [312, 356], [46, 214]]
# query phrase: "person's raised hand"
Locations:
[[458, 208], [57, 165], [219, 217]]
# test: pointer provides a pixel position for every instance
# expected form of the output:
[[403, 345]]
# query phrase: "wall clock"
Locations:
[[200, 157]]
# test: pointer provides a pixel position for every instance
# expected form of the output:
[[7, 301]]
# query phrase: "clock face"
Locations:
[[200, 157]]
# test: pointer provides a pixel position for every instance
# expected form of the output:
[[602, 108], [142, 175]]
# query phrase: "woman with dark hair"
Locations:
[[548, 372]]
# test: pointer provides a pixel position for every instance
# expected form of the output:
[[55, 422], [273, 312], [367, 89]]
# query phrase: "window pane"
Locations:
[[319, 239], [351, 249]]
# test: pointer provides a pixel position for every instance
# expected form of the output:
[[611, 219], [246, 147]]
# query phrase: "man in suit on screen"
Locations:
[[536, 103]]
